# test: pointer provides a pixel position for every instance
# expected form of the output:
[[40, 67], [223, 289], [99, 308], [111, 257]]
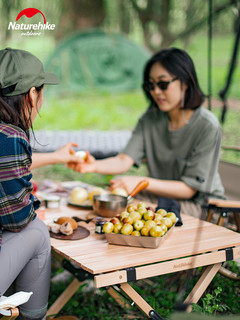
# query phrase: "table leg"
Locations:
[[140, 302], [209, 215], [202, 285], [237, 220], [221, 221], [64, 297], [119, 299]]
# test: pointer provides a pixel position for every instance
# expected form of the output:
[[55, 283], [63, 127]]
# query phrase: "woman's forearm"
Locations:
[[43, 159], [65, 154], [114, 165], [170, 189]]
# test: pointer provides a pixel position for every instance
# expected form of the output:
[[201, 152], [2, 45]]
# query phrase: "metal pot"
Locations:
[[109, 205]]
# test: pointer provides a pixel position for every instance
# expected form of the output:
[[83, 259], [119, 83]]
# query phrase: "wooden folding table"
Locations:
[[195, 244]]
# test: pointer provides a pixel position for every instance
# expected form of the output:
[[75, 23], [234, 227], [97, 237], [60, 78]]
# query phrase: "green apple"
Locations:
[[115, 220], [127, 220], [138, 225], [156, 231], [123, 215], [158, 216], [108, 227], [168, 222], [142, 210], [117, 227], [158, 221], [150, 223], [164, 227], [149, 215], [131, 208], [141, 205], [172, 216], [163, 212], [135, 215], [127, 229], [145, 231], [136, 233]]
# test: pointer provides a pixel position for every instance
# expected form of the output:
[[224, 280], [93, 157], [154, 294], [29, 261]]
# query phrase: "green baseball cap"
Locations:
[[20, 71]]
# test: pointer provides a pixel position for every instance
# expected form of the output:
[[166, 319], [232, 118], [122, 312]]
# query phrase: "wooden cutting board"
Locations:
[[79, 233]]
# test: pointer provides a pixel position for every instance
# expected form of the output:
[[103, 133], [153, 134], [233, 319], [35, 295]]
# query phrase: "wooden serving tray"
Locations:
[[79, 233], [134, 241]]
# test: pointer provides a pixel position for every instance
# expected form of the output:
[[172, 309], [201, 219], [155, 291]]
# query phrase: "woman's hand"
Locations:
[[66, 153], [126, 182], [84, 166]]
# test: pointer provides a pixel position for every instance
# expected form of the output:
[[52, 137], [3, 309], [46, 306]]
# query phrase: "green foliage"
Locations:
[[222, 47], [211, 304]]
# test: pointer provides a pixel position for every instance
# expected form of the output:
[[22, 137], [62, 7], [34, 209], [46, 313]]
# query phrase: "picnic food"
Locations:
[[156, 231], [108, 227], [95, 191], [66, 228], [81, 154], [54, 227], [70, 220], [64, 225], [120, 192], [127, 228], [78, 195], [142, 221], [172, 216]]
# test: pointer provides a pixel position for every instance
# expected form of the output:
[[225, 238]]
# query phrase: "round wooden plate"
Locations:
[[79, 233]]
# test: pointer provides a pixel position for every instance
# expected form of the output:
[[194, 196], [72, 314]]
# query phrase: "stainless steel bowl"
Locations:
[[110, 205]]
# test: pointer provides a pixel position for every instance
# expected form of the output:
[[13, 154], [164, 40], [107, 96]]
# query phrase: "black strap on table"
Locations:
[[131, 274], [229, 254], [77, 272]]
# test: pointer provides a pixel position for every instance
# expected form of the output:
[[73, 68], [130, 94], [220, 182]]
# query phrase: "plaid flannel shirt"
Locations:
[[17, 204]]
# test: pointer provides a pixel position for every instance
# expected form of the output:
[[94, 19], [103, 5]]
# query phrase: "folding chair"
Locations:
[[9, 304], [9, 314], [230, 175]]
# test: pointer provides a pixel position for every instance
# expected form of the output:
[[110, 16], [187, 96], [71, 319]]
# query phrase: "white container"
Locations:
[[52, 202]]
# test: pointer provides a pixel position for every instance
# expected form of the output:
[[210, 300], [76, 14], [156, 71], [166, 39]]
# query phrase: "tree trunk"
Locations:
[[124, 17], [79, 15]]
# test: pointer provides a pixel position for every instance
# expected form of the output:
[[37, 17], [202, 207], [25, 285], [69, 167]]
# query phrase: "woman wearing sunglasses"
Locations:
[[176, 137]]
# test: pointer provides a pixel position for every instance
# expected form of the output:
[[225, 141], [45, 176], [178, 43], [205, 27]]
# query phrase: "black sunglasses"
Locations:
[[163, 85]]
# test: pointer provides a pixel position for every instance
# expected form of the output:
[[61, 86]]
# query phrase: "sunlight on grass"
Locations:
[[95, 112]]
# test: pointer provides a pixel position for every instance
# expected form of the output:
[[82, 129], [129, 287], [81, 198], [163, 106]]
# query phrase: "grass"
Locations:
[[96, 111]]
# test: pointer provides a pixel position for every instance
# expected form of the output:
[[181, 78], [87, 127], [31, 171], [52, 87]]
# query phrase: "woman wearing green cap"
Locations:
[[25, 252]]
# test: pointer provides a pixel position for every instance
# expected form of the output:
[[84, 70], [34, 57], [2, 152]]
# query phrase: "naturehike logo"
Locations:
[[29, 13]]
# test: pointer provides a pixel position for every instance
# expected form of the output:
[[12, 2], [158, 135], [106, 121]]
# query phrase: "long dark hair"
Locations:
[[12, 110], [178, 63]]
